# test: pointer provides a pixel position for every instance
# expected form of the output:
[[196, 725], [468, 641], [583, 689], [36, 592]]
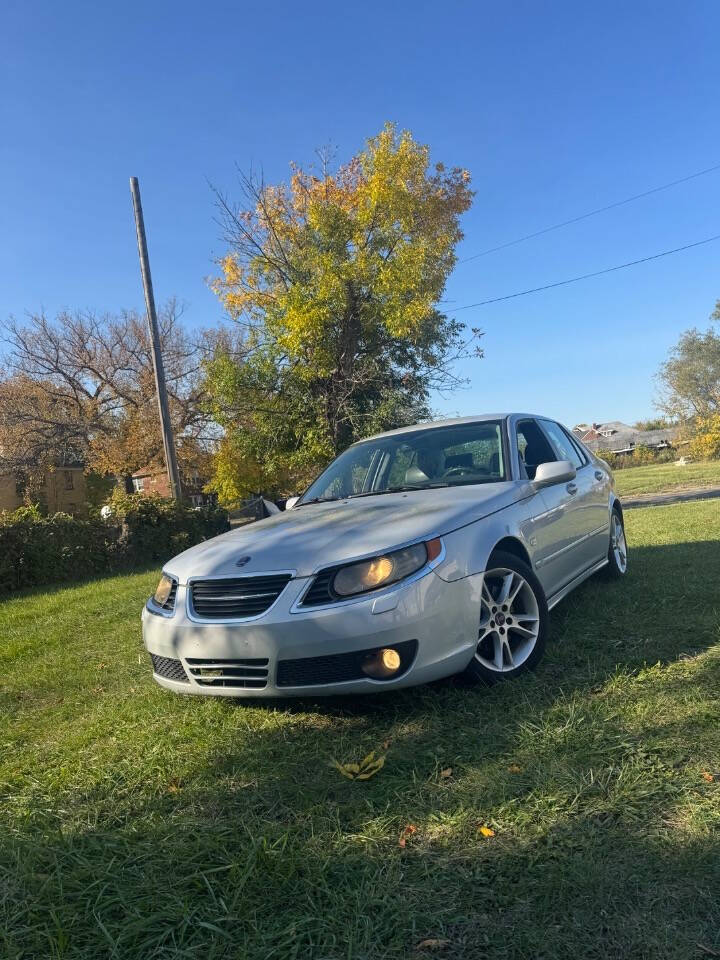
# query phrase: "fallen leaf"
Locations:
[[386, 744], [447, 772], [432, 943], [708, 776], [407, 832], [487, 831], [367, 767], [514, 768], [343, 768]]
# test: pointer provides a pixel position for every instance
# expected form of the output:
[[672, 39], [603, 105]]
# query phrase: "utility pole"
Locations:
[[166, 425]]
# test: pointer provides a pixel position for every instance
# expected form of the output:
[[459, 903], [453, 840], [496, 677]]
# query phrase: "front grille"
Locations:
[[170, 602], [338, 667], [248, 674], [170, 669], [236, 598]]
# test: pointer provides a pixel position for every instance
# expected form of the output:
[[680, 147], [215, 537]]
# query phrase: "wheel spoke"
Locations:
[[506, 588], [525, 617], [498, 651], [508, 653], [518, 587], [486, 595], [523, 631]]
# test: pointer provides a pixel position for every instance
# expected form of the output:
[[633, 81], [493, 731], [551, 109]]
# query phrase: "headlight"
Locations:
[[384, 570], [163, 591]]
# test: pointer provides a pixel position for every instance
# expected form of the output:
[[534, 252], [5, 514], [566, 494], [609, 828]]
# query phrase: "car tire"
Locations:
[[617, 564], [514, 622]]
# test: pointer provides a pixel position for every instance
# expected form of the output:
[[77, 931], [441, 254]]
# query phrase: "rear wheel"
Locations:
[[514, 619], [617, 551]]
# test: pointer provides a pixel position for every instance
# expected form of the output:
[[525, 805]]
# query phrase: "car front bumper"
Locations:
[[436, 619]]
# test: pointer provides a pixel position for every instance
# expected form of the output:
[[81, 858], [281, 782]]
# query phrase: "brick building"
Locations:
[[153, 479], [62, 491]]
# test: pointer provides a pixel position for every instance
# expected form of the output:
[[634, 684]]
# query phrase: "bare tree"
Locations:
[[81, 387]]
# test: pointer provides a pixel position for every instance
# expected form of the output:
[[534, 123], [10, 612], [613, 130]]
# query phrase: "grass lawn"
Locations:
[[662, 477], [139, 824]]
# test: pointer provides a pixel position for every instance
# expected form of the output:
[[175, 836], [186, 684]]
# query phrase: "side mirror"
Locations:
[[290, 502], [548, 474]]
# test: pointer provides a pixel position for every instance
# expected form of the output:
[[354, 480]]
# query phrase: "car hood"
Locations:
[[318, 535]]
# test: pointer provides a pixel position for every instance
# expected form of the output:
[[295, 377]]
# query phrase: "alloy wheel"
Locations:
[[617, 543], [509, 621]]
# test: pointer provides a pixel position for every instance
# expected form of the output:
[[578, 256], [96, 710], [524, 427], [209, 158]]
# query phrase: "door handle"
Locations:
[[599, 475], [571, 487]]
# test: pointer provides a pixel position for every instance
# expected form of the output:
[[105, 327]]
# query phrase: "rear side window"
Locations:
[[562, 444]]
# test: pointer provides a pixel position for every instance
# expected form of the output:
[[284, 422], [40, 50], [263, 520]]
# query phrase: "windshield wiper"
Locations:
[[402, 488], [303, 503]]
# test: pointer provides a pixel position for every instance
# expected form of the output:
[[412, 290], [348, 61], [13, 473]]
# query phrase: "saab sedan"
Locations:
[[417, 554]]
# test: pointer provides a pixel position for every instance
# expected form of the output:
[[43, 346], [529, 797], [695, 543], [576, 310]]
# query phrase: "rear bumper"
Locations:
[[436, 620]]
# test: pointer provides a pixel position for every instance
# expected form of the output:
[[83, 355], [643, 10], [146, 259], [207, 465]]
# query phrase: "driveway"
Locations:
[[673, 496]]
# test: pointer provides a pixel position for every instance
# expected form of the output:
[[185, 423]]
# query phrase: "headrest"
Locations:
[[534, 453]]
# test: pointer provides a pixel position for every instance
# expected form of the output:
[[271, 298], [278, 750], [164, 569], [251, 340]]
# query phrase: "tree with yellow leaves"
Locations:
[[334, 281]]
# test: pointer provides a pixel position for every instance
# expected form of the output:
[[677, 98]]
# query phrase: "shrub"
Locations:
[[36, 550], [154, 528], [610, 458], [705, 444], [642, 455]]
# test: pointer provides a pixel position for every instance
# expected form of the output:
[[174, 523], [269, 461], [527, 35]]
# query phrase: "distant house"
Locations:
[[153, 479], [621, 438], [62, 490]]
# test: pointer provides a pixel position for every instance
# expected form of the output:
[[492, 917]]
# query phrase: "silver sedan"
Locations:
[[416, 554]]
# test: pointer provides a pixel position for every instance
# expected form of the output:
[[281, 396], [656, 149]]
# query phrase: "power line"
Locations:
[[592, 213], [587, 276]]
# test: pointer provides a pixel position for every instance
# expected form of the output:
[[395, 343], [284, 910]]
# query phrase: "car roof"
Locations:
[[453, 422]]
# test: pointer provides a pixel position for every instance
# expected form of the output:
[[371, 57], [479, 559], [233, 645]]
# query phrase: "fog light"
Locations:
[[382, 664]]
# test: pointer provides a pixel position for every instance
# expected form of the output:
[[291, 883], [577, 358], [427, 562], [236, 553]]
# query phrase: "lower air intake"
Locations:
[[170, 669], [245, 674], [338, 667]]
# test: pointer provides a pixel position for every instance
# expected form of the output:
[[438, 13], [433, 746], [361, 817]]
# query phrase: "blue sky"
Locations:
[[555, 108]]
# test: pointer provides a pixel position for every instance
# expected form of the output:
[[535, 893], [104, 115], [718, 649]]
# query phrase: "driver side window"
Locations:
[[533, 447]]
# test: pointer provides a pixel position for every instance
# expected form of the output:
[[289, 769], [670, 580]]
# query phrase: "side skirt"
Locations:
[[561, 594]]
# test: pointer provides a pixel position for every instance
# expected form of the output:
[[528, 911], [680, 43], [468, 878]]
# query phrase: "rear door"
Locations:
[[590, 500]]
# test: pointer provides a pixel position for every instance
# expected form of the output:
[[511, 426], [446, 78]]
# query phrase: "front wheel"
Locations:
[[514, 621]]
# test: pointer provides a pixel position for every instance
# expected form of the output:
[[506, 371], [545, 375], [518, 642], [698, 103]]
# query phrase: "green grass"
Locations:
[[663, 477], [138, 824]]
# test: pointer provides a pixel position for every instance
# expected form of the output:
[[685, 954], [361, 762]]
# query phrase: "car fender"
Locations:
[[468, 549]]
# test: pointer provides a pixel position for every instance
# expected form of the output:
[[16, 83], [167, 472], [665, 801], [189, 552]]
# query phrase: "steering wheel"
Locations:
[[458, 472]]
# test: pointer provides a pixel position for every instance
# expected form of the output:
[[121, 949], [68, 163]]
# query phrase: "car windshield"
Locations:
[[417, 460]]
